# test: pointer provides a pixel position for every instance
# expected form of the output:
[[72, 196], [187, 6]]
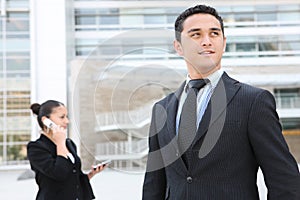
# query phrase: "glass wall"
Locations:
[[287, 98], [15, 118], [260, 42], [270, 45], [254, 34]]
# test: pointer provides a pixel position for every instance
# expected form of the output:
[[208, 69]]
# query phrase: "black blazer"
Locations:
[[239, 132], [57, 177]]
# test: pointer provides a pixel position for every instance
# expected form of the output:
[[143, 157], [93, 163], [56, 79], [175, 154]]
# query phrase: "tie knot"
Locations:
[[197, 83]]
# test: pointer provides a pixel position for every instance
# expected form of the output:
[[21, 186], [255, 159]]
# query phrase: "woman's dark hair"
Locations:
[[45, 109], [195, 10]]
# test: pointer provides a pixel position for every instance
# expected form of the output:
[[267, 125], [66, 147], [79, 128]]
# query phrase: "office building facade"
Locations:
[[115, 59], [134, 47], [15, 81]]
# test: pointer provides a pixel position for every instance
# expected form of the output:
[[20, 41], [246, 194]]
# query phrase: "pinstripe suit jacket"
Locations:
[[239, 132]]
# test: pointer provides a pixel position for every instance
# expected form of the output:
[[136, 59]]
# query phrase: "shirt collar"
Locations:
[[213, 78]]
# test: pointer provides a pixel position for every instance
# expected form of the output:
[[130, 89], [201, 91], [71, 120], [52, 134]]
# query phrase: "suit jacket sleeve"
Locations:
[[86, 187], [154, 187], [280, 169], [45, 161]]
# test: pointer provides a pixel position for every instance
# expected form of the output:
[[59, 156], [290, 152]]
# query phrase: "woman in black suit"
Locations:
[[54, 159]]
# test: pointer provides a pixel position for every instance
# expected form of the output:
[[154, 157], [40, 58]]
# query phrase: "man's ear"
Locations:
[[178, 47], [224, 48]]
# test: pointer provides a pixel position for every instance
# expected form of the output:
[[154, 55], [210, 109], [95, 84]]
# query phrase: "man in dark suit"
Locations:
[[237, 130]]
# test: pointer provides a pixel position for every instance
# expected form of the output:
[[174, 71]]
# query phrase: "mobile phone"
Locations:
[[106, 162], [50, 124]]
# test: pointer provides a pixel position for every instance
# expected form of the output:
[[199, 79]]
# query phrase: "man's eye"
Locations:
[[215, 33], [195, 35]]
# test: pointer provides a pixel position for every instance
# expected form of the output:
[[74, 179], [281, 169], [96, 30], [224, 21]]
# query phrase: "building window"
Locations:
[[245, 47], [287, 98], [291, 126], [154, 19], [266, 16], [15, 125], [109, 19], [17, 3]]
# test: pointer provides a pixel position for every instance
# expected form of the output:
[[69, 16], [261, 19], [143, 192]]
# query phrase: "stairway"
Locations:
[[130, 153]]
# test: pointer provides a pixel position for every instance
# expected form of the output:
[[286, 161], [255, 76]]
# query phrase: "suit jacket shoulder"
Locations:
[[245, 90], [42, 143]]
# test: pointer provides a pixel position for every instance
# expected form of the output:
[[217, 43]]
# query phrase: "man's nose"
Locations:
[[205, 41]]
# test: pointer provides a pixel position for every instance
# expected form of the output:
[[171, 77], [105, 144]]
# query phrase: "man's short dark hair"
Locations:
[[195, 10]]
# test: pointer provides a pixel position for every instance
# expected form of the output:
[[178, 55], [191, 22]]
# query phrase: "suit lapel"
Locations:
[[71, 148], [170, 138], [172, 108], [216, 109]]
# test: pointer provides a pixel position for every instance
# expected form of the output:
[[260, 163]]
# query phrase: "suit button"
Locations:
[[177, 153], [189, 179], [74, 170]]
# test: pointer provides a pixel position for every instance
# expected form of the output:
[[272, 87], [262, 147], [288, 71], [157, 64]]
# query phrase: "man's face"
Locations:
[[202, 44]]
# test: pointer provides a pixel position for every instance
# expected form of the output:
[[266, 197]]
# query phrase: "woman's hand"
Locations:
[[95, 170], [59, 136]]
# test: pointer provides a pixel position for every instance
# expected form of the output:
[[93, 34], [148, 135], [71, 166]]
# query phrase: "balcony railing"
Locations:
[[132, 119], [124, 154], [132, 149]]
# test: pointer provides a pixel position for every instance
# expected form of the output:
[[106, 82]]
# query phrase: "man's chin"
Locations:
[[206, 70]]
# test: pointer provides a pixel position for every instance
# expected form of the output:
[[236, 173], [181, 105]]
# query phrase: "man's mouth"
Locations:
[[206, 52]]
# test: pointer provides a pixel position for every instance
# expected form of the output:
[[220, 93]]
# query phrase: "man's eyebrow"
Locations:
[[199, 29], [194, 30], [215, 29]]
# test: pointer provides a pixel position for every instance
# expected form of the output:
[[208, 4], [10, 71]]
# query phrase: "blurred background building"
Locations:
[[109, 61]]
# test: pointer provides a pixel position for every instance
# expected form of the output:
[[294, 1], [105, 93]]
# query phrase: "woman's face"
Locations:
[[59, 116]]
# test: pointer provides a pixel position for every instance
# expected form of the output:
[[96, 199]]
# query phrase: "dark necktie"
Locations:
[[187, 124]]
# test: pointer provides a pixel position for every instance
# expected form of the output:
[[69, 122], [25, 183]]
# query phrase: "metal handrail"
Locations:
[[122, 150], [132, 119]]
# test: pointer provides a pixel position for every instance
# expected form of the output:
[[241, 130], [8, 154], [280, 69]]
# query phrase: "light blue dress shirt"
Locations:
[[203, 96]]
